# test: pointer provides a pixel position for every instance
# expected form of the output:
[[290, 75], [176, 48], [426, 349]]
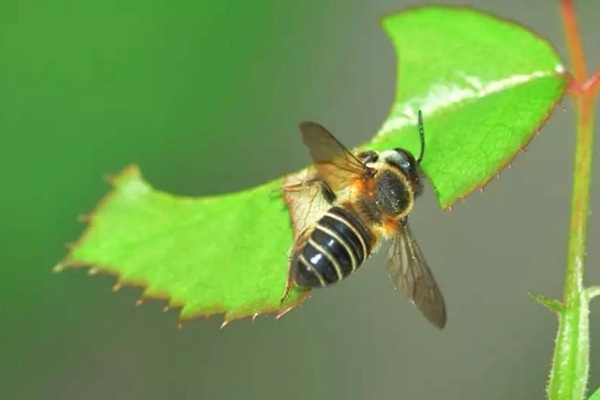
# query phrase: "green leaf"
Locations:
[[596, 395], [484, 85], [207, 255]]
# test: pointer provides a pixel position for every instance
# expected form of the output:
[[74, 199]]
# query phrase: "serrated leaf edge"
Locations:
[[94, 269], [559, 71], [508, 163]]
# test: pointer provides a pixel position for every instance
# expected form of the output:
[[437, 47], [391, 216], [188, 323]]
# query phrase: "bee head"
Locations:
[[404, 161]]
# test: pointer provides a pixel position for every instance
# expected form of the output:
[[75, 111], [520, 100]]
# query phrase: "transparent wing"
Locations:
[[305, 199], [335, 164], [409, 272]]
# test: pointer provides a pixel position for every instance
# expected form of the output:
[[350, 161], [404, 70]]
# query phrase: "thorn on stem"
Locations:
[[551, 304]]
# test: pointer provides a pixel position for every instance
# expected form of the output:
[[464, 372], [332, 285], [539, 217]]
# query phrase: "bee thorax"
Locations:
[[393, 195]]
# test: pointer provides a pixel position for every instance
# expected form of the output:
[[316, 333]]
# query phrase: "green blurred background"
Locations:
[[87, 88]]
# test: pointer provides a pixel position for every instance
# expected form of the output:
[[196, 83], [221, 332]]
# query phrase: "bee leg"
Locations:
[[327, 192], [304, 184], [288, 287], [324, 188], [296, 187]]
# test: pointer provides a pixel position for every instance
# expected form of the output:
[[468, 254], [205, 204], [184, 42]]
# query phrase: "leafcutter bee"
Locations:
[[345, 205]]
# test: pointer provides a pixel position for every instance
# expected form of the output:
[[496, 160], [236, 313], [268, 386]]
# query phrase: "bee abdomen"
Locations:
[[338, 245]]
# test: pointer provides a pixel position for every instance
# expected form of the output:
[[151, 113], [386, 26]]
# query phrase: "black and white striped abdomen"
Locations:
[[338, 244]]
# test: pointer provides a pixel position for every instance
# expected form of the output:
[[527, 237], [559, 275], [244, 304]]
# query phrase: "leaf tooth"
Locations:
[[256, 314], [139, 301], [110, 178], [166, 308], [58, 268], [224, 323], [117, 286], [84, 218], [93, 271]]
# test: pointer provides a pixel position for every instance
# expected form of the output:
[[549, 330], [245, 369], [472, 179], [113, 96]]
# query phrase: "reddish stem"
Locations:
[[592, 85], [573, 40], [574, 88]]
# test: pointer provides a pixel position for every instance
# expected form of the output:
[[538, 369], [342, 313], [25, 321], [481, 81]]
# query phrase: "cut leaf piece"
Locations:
[[485, 85], [207, 255]]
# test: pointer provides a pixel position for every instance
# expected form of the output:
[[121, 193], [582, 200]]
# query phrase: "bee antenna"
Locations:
[[422, 136]]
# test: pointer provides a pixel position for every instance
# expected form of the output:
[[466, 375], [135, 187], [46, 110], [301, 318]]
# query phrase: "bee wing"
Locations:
[[306, 202], [335, 164], [409, 272]]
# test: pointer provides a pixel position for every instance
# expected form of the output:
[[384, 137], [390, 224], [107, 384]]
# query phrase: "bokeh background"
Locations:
[[206, 97]]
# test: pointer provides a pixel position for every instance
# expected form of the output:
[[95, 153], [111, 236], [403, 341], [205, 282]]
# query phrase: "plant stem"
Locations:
[[580, 200], [573, 40], [593, 84], [568, 378], [570, 368]]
